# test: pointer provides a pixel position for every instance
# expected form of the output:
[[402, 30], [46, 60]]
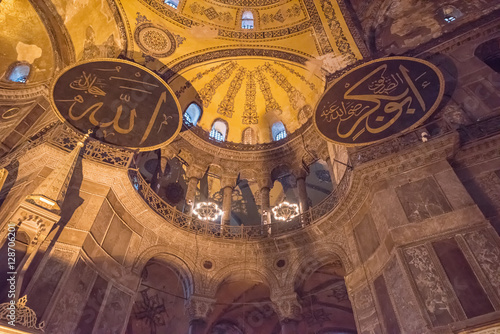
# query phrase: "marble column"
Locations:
[[194, 175], [265, 186], [197, 326], [199, 309], [300, 175], [227, 184], [289, 311], [227, 199], [289, 326]]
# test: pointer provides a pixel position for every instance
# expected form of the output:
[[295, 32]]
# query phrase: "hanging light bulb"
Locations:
[[207, 211], [285, 211]]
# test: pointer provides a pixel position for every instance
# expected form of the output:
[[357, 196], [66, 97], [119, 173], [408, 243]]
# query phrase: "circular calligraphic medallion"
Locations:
[[154, 41], [378, 100], [123, 103]]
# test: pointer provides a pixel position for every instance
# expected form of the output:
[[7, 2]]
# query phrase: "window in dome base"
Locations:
[[278, 130], [192, 114], [19, 73], [172, 3], [219, 130], [247, 20]]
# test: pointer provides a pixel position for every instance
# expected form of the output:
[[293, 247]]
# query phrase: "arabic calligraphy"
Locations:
[[125, 103], [379, 99]]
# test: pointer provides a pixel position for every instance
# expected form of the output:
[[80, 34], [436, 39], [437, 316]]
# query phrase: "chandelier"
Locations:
[[285, 211], [207, 211]]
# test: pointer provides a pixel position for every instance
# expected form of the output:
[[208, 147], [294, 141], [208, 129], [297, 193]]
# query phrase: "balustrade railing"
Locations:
[[431, 131], [192, 224]]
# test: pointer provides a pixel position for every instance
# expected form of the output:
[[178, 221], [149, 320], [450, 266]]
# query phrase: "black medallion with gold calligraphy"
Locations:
[[379, 99], [123, 103]]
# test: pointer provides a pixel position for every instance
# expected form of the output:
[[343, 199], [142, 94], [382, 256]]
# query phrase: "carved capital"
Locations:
[[227, 181], [195, 171], [199, 307], [287, 307], [265, 182]]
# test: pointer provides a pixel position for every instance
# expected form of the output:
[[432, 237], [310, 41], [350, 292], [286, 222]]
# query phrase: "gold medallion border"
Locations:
[[141, 149], [409, 129]]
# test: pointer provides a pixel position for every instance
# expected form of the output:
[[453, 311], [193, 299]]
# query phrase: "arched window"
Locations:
[[249, 137], [278, 130], [450, 13], [219, 130], [19, 73], [192, 114], [247, 20], [489, 53], [172, 3]]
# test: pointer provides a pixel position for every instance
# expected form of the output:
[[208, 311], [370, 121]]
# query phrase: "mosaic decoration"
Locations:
[[208, 91], [294, 96], [23, 315], [250, 115], [297, 74], [248, 3], [337, 32], [150, 310], [226, 107], [285, 211], [210, 13], [265, 88], [197, 77], [207, 211], [123, 103], [154, 41], [378, 100], [281, 15]]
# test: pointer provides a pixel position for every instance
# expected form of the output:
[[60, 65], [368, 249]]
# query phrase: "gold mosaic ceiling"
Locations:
[[247, 77]]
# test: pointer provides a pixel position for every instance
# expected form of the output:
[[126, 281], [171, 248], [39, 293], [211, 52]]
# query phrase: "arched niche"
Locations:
[[243, 303], [319, 182], [326, 307], [160, 299]]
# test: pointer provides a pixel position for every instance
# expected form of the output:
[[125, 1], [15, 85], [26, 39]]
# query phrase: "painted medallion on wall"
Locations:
[[123, 103], [154, 41], [379, 99]]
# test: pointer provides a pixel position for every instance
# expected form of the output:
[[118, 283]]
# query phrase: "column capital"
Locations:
[[199, 307], [228, 181], [265, 182], [287, 307], [194, 171], [300, 172]]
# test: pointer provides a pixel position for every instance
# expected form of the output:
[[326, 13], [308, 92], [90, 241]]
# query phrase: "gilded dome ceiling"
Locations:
[[274, 71]]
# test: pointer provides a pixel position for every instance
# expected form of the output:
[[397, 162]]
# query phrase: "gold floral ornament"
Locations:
[[207, 211], [285, 211], [20, 314]]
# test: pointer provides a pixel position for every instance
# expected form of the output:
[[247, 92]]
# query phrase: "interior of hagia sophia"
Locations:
[[249, 220]]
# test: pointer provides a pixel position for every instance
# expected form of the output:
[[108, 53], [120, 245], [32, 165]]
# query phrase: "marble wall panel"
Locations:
[[386, 308], [366, 237], [422, 199], [405, 304], [487, 254], [102, 221], [469, 291], [46, 281], [92, 307], [365, 311], [114, 315], [117, 239], [430, 286], [69, 306]]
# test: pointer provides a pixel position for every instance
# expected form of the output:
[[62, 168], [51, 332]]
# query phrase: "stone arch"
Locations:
[[257, 272], [182, 265], [301, 268]]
